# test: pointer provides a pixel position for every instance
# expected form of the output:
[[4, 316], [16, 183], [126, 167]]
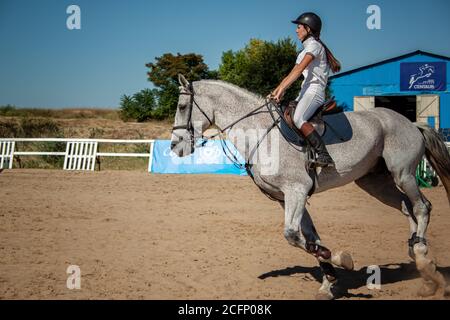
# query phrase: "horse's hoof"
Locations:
[[324, 295], [434, 283], [343, 259], [427, 289]]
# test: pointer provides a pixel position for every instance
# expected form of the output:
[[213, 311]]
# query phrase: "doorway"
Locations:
[[405, 105], [419, 108]]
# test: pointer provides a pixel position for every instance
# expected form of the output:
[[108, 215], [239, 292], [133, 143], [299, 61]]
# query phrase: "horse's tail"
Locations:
[[437, 154]]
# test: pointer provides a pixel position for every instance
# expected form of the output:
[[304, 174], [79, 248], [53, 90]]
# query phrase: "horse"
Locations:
[[379, 149]]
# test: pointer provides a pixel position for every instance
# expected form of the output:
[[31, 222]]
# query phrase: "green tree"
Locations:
[[167, 103], [164, 72], [138, 107], [260, 66], [164, 75]]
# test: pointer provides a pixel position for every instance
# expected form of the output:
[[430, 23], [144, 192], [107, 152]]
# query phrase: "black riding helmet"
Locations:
[[312, 20]]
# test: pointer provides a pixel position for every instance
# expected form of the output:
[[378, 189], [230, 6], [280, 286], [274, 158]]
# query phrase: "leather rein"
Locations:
[[247, 166], [189, 127]]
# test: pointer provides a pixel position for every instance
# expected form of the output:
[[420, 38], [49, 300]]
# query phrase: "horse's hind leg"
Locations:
[[402, 157], [434, 282]]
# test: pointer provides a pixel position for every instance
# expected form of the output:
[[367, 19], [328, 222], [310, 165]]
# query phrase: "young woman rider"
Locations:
[[315, 63]]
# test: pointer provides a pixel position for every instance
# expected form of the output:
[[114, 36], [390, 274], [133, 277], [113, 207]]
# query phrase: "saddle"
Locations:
[[290, 130]]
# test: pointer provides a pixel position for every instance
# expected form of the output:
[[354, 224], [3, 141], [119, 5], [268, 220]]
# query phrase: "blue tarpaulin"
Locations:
[[207, 159]]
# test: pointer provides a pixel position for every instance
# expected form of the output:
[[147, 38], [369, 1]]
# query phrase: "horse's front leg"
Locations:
[[300, 232]]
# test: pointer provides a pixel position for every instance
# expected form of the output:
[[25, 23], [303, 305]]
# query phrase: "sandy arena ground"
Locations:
[[141, 236]]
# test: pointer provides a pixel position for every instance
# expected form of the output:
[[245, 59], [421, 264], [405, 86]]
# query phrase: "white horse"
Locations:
[[376, 148]]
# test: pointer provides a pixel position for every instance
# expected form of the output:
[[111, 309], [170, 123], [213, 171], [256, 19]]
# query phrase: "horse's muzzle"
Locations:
[[181, 148]]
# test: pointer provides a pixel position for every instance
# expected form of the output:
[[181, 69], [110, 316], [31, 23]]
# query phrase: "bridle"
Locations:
[[247, 166], [190, 128]]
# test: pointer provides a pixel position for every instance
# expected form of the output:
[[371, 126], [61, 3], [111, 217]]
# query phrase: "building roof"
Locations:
[[391, 60]]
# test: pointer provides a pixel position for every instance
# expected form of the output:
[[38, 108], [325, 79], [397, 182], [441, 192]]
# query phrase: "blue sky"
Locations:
[[43, 64]]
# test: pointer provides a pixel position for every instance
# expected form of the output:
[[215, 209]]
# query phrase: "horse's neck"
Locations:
[[232, 105], [260, 120]]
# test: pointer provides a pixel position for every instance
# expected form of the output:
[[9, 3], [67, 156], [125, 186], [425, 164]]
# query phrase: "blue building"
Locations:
[[415, 84]]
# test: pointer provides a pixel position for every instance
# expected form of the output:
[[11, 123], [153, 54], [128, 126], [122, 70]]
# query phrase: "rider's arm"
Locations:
[[293, 75]]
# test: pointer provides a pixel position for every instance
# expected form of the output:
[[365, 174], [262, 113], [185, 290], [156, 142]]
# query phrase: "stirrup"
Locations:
[[323, 164], [317, 164]]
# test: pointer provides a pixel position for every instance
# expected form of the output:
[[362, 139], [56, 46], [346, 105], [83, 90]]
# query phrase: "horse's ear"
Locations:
[[182, 80]]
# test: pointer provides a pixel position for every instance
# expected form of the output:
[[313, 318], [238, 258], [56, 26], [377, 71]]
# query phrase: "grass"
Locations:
[[53, 123], [12, 111]]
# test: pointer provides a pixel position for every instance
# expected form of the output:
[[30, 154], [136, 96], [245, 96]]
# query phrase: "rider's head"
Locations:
[[308, 24]]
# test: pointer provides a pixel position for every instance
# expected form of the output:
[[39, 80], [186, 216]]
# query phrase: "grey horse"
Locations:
[[378, 149]]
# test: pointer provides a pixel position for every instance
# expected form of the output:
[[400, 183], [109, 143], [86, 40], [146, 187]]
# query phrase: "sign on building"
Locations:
[[423, 76]]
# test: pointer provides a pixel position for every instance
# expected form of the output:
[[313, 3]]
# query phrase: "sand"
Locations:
[[137, 235]]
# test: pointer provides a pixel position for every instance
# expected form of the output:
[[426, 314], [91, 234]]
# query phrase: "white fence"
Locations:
[[80, 154]]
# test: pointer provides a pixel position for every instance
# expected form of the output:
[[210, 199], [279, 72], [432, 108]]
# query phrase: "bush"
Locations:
[[10, 129], [138, 107], [36, 128], [167, 103], [30, 128], [7, 110], [261, 66], [12, 111]]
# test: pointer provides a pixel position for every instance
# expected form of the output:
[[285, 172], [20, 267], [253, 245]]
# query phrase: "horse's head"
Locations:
[[191, 120]]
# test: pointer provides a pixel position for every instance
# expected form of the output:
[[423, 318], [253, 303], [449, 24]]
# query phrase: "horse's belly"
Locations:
[[354, 157]]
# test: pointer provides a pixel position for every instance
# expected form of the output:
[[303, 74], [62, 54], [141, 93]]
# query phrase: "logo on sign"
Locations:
[[210, 154], [424, 76], [425, 71]]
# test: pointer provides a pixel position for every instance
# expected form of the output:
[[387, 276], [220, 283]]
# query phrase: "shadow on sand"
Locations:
[[390, 273]]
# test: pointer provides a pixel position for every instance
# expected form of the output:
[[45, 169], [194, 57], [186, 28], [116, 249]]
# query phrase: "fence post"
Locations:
[[150, 159]]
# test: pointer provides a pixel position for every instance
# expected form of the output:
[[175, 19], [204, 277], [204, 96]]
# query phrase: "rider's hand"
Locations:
[[277, 96]]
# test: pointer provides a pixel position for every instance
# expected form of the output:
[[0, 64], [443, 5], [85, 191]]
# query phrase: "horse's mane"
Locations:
[[232, 87]]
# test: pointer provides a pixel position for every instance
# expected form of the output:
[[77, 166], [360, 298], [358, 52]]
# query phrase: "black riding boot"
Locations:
[[323, 157]]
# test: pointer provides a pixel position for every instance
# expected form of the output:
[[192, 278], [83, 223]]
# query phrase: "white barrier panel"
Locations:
[[6, 154], [80, 155]]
